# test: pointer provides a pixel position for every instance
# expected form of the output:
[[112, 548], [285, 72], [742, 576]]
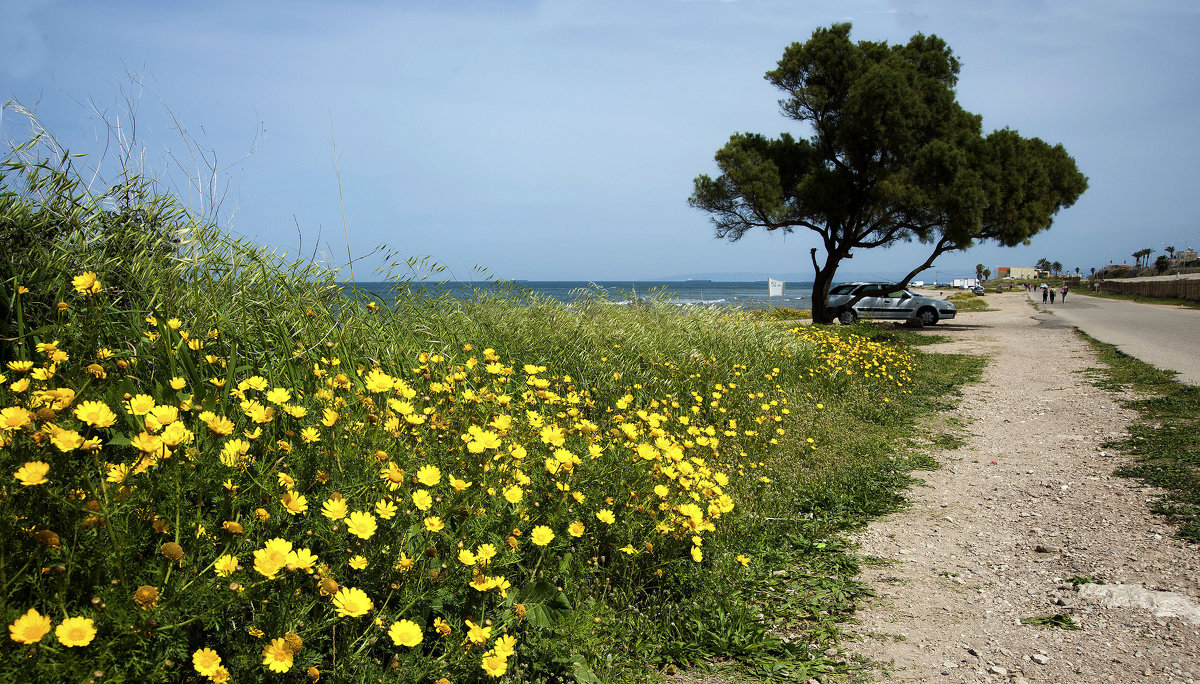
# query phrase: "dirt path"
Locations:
[[1028, 502]]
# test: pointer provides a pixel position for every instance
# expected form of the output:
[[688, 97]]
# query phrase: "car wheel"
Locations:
[[927, 316], [847, 317]]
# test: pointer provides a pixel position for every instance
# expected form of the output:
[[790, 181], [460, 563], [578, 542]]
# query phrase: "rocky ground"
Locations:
[[1027, 503]]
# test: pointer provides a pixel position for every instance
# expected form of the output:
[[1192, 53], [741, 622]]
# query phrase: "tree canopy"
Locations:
[[891, 157]]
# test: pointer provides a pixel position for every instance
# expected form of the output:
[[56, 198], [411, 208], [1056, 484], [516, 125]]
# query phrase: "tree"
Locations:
[[978, 271], [1142, 257], [1162, 263], [987, 273], [891, 157], [1056, 267]]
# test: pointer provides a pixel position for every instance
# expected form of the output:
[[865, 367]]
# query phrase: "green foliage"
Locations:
[[892, 157], [250, 395]]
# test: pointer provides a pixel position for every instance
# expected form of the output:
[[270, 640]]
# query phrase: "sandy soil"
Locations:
[[1028, 502]]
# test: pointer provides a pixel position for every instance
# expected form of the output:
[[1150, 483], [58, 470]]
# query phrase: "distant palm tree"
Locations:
[[978, 271], [1056, 267], [1043, 264], [987, 273]]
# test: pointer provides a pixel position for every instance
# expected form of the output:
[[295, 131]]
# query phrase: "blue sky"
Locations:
[[558, 139]]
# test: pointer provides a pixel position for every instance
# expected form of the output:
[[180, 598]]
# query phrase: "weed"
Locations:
[[1061, 620]]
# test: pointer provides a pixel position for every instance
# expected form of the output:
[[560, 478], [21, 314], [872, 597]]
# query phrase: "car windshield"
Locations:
[[842, 289]]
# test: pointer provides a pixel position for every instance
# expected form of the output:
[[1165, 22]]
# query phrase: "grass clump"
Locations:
[[218, 459], [1165, 438]]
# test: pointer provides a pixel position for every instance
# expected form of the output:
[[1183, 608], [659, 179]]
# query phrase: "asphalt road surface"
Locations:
[[1166, 337]]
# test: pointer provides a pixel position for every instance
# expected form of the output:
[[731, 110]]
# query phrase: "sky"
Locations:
[[558, 139]]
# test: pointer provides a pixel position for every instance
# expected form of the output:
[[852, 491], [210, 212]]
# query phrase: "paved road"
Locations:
[[1167, 337]]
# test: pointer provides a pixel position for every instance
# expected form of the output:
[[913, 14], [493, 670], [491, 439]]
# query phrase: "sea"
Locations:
[[743, 295]]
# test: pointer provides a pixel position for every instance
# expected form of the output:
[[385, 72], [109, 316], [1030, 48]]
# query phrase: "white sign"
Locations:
[[774, 287]]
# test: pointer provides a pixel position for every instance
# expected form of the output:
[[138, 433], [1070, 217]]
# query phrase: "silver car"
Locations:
[[883, 301]]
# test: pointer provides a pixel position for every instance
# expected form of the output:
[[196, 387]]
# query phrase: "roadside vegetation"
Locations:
[[218, 462], [1165, 439]]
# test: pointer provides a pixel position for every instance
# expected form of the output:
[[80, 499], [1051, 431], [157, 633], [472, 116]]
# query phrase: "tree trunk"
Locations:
[[822, 280]]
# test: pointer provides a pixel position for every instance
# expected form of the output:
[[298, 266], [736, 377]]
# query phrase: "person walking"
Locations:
[[1045, 292], [1064, 294], [1051, 295]]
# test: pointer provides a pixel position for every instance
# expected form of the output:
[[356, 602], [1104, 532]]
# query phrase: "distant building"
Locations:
[[1184, 257], [1016, 272]]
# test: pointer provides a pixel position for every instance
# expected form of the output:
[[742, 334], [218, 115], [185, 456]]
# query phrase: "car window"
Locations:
[[897, 294], [873, 291], [842, 289]]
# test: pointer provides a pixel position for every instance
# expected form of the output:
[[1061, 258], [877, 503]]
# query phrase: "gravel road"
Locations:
[[1026, 503]]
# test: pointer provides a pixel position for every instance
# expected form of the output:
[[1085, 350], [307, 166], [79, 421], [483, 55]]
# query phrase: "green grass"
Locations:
[[1165, 438], [968, 301], [818, 430]]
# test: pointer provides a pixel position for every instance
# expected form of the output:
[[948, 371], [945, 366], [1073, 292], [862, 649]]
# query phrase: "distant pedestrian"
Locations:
[[1064, 294], [1051, 295], [1045, 292]]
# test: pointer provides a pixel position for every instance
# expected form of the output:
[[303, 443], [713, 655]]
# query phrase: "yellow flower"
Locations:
[[301, 559], [484, 553], [234, 451], [310, 435], [434, 524], [357, 562], [352, 602], [334, 508], [206, 661], [514, 494], [361, 524], [162, 415], [29, 628], [278, 395], [505, 646], [422, 499], [14, 418], [477, 634], [75, 631], [224, 566], [405, 633], [576, 529], [697, 554], [541, 535], [385, 509], [294, 502], [65, 440], [629, 550], [219, 425], [87, 283], [404, 564], [393, 475], [443, 628], [178, 383], [270, 559], [466, 557], [141, 404], [743, 560], [429, 475], [494, 665], [33, 473], [458, 485], [606, 516], [277, 655], [117, 473]]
